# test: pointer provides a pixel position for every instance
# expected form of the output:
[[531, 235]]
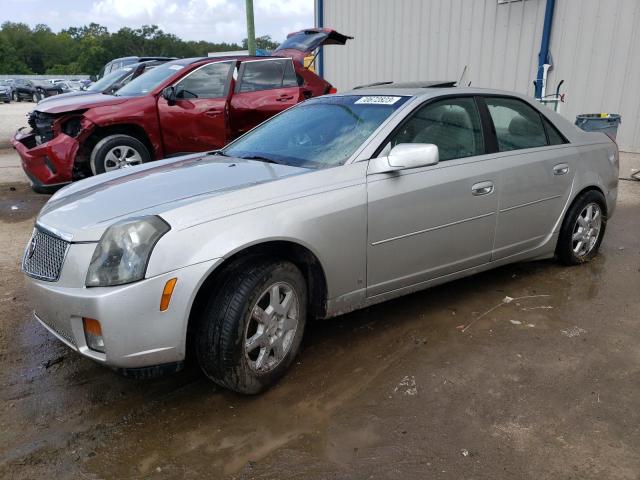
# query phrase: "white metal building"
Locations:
[[594, 45]]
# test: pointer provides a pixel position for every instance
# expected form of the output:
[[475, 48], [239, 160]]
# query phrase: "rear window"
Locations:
[[517, 124]]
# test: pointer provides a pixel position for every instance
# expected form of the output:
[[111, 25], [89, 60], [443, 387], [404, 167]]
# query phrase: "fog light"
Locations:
[[93, 334], [166, 294]]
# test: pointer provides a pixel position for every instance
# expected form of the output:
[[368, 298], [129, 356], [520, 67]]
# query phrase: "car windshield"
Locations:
[[319, 133], [149, 80], [105, 82]]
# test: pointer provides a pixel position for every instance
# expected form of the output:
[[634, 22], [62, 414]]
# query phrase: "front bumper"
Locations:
[[48, 164], [136, 333]]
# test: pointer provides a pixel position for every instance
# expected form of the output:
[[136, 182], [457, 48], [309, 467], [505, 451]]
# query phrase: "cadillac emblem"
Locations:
[[32, 247]]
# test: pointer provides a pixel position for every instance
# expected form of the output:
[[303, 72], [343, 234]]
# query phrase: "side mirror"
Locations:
[[413, 155], [169, 94], [404, 156]]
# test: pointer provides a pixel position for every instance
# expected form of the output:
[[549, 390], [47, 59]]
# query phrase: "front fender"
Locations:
[[331, 224]]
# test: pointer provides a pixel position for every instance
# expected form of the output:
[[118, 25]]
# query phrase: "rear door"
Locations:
[[264, 88], [198, 120], [538, 167], [428, 222]]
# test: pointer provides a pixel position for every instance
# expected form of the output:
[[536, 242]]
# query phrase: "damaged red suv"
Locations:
[[187, 105]]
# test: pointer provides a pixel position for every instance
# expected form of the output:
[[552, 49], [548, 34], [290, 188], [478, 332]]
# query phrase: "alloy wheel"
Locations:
[[271, 327], [121, 157], [587, 230]]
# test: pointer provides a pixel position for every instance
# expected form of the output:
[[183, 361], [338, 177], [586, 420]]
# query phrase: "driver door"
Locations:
[[198, 120], [428, 222]]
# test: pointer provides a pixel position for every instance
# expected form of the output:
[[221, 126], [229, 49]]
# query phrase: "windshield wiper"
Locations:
[[262, 159]]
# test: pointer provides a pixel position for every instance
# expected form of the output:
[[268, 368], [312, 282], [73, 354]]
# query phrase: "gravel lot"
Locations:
[[12, 116], [543, 386]]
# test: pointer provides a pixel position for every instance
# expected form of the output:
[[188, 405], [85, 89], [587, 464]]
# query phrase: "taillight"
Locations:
[[333, 90]]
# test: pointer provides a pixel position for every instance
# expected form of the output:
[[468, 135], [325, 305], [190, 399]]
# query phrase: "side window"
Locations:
[[209, 81], [555, 138], [517, 124], [266, 74], [452, 124]]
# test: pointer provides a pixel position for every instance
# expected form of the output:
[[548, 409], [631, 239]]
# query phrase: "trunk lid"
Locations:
[[302, 43]]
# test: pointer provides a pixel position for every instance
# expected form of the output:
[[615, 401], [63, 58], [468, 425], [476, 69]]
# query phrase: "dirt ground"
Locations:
[[12, 116], [541, 386]]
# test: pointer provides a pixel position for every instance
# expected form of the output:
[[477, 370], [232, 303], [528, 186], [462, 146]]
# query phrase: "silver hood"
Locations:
[[83, 210]]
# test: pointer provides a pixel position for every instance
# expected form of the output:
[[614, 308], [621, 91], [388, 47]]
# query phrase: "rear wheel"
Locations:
[[251, 329], [583, 229], [117, 151]]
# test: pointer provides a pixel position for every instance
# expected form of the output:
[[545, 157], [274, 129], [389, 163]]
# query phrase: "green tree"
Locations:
[[264, 43]]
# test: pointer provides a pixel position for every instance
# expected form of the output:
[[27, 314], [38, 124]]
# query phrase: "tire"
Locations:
[[582, 232], [117, 151], [227, 324], [16, 97], [34, 97]]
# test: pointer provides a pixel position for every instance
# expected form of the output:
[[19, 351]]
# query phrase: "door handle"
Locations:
[[482, 188], [284, 98], [213, 112], [561, 169]]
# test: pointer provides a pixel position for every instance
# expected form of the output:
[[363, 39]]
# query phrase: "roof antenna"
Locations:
[[462, 80]]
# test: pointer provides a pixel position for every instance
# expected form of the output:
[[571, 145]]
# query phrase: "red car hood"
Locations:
[[300, 44], [82, 102]]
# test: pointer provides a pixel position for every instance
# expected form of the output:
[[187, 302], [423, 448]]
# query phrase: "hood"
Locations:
[[56, 98], [83, 210], [71, 101], [300, 44]]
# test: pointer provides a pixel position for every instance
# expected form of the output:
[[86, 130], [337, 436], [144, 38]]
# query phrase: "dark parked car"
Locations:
[[187, 105], [118, 63], [5, 91], [110, 83], [34, 90]]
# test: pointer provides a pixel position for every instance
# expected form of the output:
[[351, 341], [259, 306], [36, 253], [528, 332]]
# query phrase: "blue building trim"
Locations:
[[543, 57], [320, 24]]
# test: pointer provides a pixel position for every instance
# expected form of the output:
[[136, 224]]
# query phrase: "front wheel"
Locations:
[[117, 151], [583, 229], [35, 97], [16, 97], [251, 329]]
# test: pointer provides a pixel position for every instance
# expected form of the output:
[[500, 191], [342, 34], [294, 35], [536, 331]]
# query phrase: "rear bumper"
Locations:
[[48, 164]]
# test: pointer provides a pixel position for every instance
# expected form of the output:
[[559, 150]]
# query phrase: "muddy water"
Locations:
[[529, 371]]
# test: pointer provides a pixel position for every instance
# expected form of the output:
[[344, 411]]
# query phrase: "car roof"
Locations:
[[429, 92]]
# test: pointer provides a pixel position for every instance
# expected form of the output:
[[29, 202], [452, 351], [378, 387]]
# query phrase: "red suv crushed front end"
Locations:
[[47, 152]]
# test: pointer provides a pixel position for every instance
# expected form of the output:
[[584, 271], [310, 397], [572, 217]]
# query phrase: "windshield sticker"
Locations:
[[378, 100], [175, 67]]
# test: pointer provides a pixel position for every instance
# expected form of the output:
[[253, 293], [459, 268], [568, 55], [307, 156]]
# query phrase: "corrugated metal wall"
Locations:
[[595, 47]]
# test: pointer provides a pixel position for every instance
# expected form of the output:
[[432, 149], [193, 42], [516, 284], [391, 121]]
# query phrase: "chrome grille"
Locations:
[[44, 256], [63, 329]]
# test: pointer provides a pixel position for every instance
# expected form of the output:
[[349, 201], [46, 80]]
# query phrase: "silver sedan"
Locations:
[[341, 202]]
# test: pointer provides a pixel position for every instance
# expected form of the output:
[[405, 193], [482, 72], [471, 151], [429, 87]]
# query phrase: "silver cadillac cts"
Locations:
[[338, 203]]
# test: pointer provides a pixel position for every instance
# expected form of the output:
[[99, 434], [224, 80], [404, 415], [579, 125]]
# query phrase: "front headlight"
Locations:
[[123, 251]]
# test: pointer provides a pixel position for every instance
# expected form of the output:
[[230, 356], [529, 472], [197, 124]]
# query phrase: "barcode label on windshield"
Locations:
[[378, 100]]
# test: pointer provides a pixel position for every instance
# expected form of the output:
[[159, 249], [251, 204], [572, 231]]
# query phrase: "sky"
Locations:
[[210, 20]]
